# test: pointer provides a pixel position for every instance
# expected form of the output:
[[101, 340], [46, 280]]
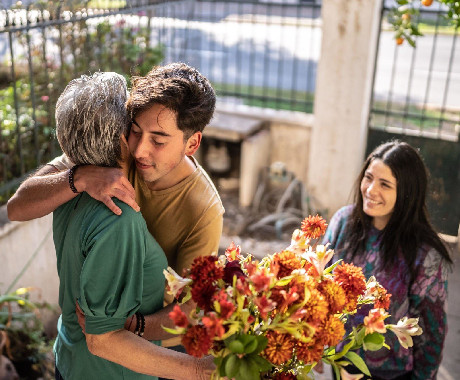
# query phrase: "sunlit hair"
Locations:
[[409, 226], [91, 117], [178, 87]]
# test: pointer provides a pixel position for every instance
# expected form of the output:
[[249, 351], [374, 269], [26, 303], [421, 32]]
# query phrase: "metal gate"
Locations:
[[416, 98]]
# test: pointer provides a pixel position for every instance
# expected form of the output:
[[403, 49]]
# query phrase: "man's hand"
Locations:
[[103, 184]]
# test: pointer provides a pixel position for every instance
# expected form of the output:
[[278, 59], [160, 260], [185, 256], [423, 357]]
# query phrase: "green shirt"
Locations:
[[114, 267]]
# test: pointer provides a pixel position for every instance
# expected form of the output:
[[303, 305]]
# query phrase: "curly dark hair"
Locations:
[[178, 87]]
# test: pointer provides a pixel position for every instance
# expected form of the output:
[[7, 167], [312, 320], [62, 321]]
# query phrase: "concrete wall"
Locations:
[[24, 242], [342, 98]]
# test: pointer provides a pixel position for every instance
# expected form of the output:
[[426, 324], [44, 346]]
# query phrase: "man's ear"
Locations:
[[193, 143]]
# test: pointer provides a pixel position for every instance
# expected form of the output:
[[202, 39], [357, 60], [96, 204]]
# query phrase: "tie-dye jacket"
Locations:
[[424, 298]]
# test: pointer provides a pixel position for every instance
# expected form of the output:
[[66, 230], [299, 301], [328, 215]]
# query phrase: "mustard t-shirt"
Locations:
[[186, 219]]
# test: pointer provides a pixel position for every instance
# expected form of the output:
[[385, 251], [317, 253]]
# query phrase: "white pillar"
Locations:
[[342, 98]]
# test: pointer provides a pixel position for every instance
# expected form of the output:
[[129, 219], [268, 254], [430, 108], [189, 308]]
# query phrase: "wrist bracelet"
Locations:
[[71, 175], [141, 331], [138, 323]]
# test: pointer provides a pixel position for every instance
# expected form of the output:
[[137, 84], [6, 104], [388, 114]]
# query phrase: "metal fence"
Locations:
[[416, 99], [258, 53], [417, 90]]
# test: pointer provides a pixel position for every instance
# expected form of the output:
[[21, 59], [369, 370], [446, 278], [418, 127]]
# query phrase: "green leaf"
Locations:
[[284, 281], [232, 365], [261, 343], [373, 342], [251, 346], [358, 362], [248, 371], [220, 364], [262, 363], [236, 347], [174, 331]]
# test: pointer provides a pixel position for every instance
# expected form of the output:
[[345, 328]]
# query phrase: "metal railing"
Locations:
[[417, 90], [260, 53]]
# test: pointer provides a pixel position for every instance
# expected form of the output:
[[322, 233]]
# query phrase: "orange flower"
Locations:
[[196, 341], [287, 262], [334, 294], [309, 352], [317, 308], [178, 317], [375, 321], [333, 331], [351, 278], [314, 226], [279, 347]]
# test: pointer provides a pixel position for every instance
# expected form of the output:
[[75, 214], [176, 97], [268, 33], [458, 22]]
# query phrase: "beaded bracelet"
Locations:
[[138, 323], [141, 331], [71, 175]]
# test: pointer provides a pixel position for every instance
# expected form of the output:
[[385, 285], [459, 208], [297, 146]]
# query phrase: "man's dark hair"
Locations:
[[178, 87]]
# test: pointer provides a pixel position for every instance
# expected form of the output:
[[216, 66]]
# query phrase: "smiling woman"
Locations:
[[387, 232]]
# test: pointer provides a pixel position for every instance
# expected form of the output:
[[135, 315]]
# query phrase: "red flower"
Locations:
[[285, 376], [202, 294], [214, 325], [314, 226], [233, 252], [178, 317], [232, 268], [196, 341], [204, 268], [226, 307]]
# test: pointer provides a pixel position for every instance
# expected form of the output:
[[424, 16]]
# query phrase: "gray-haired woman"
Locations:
[[110, 264]]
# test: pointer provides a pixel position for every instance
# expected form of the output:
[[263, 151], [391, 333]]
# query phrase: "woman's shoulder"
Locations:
[[342, 214]]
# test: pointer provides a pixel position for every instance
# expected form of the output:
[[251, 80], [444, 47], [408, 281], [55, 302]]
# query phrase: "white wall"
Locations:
[[21, 242]]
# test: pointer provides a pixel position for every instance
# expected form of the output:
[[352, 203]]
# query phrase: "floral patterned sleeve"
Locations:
[[428, 296]]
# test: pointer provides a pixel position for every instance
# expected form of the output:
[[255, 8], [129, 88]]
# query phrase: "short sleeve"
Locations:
[[111, 280], [61, 163]]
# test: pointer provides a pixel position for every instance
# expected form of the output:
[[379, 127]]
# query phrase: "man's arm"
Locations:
[[49, 188]]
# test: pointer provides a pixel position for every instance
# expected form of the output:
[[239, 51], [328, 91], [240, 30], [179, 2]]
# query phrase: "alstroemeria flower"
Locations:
[[320, 257], [375, 321], [264, 305], [233, 252], [261, 280], [175, 282], [299, 242], [178, 317], [344, 375], [405, 329], [214, 325]]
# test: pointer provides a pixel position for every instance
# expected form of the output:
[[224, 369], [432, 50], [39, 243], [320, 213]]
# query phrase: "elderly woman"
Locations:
[[109, 264]]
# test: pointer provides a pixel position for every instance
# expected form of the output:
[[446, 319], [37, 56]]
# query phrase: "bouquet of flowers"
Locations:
[[278, 317]]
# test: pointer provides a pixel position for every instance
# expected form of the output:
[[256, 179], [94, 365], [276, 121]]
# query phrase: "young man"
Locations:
[[168, 109]]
